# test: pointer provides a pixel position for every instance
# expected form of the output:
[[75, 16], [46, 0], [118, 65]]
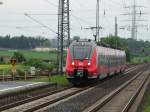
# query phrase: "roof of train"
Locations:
[[83, 42], [104, 49], [110, 51]]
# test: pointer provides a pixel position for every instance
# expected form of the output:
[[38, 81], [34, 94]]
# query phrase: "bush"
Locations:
[[20, 72], [39, 64], [19, 57]]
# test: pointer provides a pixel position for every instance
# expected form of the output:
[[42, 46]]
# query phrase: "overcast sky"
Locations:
[[14, 22]]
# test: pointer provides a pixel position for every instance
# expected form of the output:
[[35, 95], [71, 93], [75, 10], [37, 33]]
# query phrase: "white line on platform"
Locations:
[[11, 88]]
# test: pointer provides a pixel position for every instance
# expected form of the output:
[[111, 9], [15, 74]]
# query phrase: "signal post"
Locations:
[[13, 63]]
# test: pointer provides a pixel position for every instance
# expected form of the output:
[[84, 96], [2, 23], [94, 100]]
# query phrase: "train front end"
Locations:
[[81, 63]]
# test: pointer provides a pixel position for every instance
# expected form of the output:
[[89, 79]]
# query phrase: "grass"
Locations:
[[59, 79], [137, 60], [31, 54], [7, 68], [147, 107], [40, 55], [6, 53]]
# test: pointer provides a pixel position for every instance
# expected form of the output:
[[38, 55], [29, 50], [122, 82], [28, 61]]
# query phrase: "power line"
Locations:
[[51, 3], [40, 23], [133, 14], [81, 19], [74, 16], [115, 2], [79, 22], [20, 26], [80, 4], [124, 3], [42, 14]]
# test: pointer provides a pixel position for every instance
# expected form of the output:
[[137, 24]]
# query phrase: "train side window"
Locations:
[[110, 61], [103, 60], [99, 59]]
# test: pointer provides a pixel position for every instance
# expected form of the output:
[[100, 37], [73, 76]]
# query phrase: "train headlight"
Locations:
[[89, 64], [73, 63]]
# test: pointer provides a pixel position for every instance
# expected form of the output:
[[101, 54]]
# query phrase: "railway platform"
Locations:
[[13, 87]]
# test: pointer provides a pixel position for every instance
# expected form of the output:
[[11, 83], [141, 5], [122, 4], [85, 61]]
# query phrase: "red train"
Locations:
[[86, 60]]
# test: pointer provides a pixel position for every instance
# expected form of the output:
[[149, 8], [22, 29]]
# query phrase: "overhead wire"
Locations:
[[24, 27], [51, 3], [40, 23], [124, 3], [115, 3], [37, 32], [79, 19], [80, 4], [41, 14], [43, 25], [74, 16]]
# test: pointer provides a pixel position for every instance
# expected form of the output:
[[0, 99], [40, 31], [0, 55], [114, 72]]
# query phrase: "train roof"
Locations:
[[110, 51], [103, 47], [83, 42]]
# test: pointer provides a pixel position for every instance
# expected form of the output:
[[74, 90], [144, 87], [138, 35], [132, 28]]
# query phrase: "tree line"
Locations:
[[136, 48], [22, 42], [132, 47]]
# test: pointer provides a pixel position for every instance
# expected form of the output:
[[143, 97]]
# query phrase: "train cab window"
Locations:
[[82, 52]]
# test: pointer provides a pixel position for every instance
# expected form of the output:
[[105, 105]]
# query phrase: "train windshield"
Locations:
[[82, 52]]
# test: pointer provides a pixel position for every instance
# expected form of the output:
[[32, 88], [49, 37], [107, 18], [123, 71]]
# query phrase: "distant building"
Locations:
[[44, 49]]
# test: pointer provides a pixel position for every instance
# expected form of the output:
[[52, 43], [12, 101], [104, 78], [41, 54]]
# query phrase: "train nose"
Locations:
[[80, 64], [81, 73]]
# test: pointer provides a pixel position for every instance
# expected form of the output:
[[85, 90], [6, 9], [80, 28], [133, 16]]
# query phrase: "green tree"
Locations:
[[76, 38], [128, 55], [22, 42], [40, 64], [19, 57]]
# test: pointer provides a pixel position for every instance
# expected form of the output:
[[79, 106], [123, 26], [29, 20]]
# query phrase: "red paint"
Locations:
[[81, 65], [93, 70]]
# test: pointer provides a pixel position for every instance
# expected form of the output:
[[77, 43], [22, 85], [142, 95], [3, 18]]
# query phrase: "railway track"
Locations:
[[122, 98], [38, 102], [11, 100], [29, 107], [75, 103], [52, 99]]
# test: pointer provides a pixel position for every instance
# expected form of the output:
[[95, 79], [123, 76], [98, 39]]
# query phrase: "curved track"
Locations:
[[121, 99], [55, 99]]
